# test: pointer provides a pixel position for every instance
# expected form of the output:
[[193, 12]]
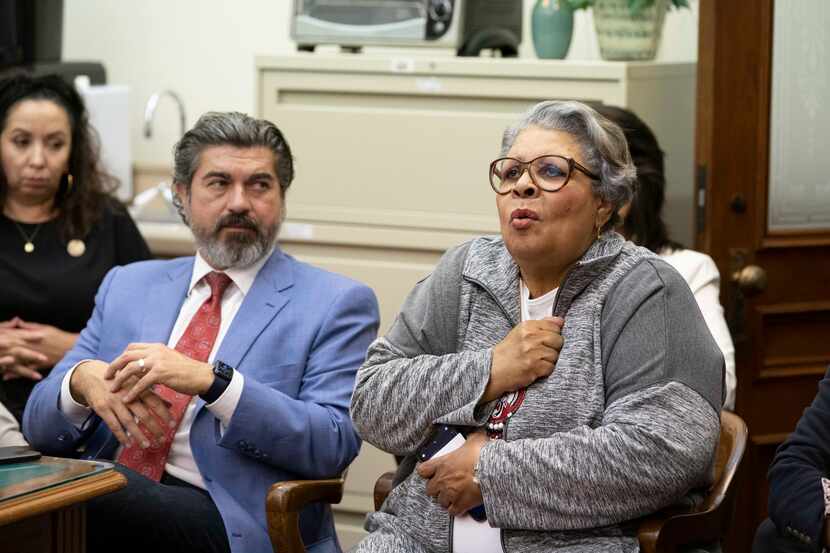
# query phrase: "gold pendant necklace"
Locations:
[[28, 241], [76, 248]]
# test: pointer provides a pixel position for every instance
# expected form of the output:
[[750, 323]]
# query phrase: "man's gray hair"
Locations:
[[231, 129], [602, 141]]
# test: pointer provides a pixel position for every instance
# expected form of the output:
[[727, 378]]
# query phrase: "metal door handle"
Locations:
[[751, 279]]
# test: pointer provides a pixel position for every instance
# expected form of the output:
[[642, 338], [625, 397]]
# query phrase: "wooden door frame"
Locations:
[[734, 162], [732, 153], [750, 24], [747, 25]]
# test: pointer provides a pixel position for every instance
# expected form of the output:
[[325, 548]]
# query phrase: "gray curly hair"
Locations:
[[602, 141]]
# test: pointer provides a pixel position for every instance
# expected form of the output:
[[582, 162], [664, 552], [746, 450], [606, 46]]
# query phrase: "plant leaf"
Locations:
[[580, 4], [636, 6]]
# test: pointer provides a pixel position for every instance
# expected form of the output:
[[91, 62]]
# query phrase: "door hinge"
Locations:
[[701, 177]]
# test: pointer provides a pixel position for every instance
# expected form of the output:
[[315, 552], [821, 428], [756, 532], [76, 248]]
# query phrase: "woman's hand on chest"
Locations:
[[527, 353]]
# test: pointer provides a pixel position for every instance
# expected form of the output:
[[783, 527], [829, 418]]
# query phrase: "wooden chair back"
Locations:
[[708, 522]]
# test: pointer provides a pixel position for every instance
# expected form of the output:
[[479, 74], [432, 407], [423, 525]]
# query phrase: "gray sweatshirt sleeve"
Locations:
[[657, 436], [413, 377]]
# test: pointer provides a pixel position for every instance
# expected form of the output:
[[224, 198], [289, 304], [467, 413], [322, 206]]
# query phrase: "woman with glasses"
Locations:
[[555, 383]]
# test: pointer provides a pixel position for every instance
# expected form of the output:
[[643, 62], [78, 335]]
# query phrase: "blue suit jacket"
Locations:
[[298, 338], [796, 497]]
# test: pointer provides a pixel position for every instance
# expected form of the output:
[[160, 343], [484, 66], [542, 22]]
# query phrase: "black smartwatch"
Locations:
[[222, 375]]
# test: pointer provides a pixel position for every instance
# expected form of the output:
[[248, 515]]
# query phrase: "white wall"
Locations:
[[204, 50]]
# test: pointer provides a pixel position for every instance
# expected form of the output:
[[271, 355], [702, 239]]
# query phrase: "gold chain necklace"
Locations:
[[28, 245]]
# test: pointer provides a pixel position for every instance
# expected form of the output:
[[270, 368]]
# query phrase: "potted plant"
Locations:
[[628, 29]]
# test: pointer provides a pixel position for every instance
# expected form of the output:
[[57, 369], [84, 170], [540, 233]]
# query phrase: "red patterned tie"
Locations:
[[196, 343]]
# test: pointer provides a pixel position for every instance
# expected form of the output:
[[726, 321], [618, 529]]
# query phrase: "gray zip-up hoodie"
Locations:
[[627, 423]]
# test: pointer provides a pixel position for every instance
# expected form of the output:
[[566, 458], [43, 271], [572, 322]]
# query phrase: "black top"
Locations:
[[796, 493], [50, 286]]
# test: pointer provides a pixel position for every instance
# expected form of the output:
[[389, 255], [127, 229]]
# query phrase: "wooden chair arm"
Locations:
[[283, 505], [383, 486], [665, 534], [668, 530]]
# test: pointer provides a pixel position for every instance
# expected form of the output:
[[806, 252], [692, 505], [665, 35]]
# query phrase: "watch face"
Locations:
[[222, 370]]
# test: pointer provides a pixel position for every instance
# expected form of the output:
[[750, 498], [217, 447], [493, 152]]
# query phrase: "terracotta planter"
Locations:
[[627, 37]]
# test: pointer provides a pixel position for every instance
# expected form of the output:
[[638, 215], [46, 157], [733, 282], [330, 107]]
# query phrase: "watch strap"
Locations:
[[222, 375]]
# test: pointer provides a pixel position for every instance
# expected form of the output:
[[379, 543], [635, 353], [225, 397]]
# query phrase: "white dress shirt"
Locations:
[[180, 462]]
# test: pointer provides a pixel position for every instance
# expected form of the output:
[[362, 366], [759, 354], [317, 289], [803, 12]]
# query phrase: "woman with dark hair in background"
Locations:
[[642, 223], [60, 229]]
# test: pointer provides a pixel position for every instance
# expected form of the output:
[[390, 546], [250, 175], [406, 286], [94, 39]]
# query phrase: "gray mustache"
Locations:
[[239, 221]]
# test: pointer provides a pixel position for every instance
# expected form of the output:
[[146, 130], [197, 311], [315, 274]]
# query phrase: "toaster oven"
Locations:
[[465, 25]]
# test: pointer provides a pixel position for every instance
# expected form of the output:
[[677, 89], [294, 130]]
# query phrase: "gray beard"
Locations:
[[234, 253]]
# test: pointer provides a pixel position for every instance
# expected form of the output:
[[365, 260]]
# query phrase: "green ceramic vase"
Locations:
[[552, 24]]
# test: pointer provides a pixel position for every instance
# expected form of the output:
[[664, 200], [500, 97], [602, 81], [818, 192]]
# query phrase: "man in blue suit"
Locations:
[[209, 378]]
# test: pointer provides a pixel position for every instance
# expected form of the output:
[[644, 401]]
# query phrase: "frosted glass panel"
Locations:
[[799, 182]]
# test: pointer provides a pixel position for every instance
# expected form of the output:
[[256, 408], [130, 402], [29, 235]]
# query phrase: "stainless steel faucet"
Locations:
[[150, 110]]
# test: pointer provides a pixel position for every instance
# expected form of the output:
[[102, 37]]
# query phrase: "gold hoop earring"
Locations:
[[70, 181]]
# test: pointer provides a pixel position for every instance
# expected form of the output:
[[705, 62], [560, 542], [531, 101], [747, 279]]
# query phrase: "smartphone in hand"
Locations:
[[447, 439]]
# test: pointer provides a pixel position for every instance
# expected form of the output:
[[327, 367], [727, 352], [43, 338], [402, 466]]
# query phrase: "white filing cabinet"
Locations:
[[392, 155]]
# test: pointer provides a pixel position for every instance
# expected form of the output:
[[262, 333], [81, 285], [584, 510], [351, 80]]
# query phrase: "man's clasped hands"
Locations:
[[125, 395]]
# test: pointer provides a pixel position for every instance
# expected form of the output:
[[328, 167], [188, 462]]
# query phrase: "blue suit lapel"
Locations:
[[268, 295], [163, 302]]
